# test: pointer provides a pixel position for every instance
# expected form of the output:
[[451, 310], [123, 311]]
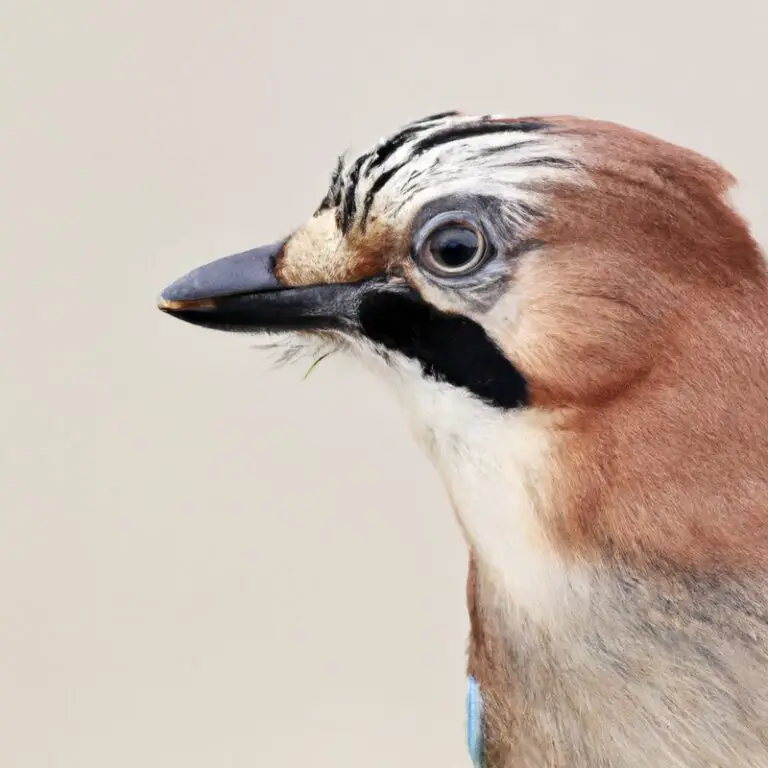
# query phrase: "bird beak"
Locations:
[[242, 293]]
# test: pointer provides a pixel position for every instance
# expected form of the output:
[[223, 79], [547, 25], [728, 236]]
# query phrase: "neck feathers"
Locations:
[[616, 588]]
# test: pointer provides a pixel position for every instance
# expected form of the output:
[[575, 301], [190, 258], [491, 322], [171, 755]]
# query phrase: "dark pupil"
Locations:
[[454, 247]]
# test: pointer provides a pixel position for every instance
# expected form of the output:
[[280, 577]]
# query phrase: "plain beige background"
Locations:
[[204, 563]]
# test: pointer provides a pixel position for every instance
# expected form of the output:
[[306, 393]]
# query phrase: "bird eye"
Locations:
[[451, 247]]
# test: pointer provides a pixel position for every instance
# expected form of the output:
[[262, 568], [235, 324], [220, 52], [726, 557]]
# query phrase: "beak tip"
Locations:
[[183, 294], [167, 301], [179, 290], [165, 304]]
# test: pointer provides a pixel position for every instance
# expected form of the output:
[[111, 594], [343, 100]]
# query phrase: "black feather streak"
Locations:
[[371, 194], [468, 131], [450, 348], [547, 162], [455, 133], [350, 195], [379, 155]]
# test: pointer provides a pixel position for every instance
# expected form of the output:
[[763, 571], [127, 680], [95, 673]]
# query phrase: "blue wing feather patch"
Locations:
[[475, 723]]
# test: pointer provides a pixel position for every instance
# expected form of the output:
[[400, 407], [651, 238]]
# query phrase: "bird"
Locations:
[[574, 315]]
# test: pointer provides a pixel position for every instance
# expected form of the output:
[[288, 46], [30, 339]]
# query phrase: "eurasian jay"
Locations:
[[576, 319]]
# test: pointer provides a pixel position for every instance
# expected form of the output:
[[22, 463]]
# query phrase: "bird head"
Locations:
[[523, 261], [567, 306], [577, 320]]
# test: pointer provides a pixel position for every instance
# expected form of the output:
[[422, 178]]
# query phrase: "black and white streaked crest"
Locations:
[[447, 154]]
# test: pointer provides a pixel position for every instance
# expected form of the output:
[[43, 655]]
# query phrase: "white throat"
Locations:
[[497, 467]]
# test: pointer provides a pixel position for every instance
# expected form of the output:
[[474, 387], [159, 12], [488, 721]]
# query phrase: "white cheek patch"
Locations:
[[503, 323]]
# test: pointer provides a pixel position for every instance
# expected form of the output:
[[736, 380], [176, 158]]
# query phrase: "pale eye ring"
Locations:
[[451, 245]]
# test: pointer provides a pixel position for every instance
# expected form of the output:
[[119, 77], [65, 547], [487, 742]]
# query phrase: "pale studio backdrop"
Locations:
[[203, 563]]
